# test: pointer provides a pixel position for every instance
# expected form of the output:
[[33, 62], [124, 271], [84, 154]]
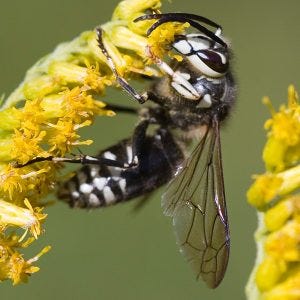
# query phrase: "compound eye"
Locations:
[[211, 63], [202, 54], [215, 61]]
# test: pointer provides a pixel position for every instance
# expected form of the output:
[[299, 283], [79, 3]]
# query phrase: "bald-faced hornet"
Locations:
[[189, 103]]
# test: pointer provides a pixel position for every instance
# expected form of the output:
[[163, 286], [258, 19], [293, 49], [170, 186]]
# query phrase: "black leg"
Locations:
[[123, 83], [138, 138], [121, 109], [80, 159]]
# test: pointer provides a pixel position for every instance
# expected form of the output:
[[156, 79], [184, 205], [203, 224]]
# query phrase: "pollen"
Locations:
[[163, 36]]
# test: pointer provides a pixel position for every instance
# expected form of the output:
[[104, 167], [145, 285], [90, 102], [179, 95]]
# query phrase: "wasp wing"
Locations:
[[195, 198]]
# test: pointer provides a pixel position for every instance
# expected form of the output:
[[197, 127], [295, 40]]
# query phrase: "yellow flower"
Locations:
[[17, 269], [277, 269], [283, 146], [287, 290], [42, 117]]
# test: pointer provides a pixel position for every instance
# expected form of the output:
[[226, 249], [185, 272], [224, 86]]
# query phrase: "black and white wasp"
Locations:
[[188, 104]]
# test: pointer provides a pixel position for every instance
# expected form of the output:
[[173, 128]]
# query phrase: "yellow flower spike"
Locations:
[[94, 81], [79, 105], [26, 145], [113, 51], [8, 119], [161, 38], [89, 76], [20, 269], [283, 146], [292, 96], [35, 228], [56, 98], [41, 87], [276, 274], [62, 137], [287, 290], [53, 106], [17, 183], [274, 154], [10, 181], [129, 40], [127, 8], [25, 218], [6, 145], [278, 215], [67, 72], [263, 190], [269, 273], [270, 185], [290, 180], [285, 243]]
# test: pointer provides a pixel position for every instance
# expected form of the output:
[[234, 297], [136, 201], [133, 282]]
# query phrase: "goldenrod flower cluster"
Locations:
[[277, 272], [41, 118]]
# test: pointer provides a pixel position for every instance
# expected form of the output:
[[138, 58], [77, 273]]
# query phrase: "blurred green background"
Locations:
[[113, 253]]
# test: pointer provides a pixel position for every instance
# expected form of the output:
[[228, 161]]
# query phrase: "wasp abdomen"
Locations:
[[100, 185]]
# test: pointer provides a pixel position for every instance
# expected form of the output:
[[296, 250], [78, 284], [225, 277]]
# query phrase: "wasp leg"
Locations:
[[81, 159], [123, 83], [138, 139], [137, 143], [121, 109], [101, 185]]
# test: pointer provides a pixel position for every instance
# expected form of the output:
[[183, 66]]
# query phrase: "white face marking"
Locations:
[[199, 44], [86, 188], [109, 155], [182, 47], [129, 153], [99, 183], [193, 42], [122, 185], [108, 195], [202, 67], [93, 200], [205, 101]]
